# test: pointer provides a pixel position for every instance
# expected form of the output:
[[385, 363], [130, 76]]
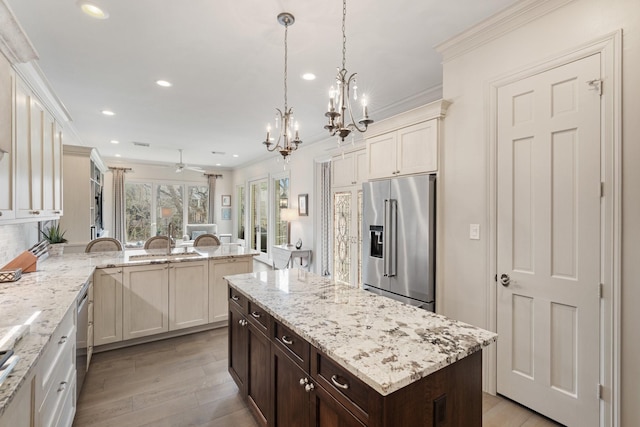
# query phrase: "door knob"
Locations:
[[505, 279]]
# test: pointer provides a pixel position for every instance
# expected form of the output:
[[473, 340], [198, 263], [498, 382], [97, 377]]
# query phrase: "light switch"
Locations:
[[474, 231]]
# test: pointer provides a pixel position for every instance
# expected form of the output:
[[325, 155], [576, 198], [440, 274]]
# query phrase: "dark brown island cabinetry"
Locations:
[[287, 382]]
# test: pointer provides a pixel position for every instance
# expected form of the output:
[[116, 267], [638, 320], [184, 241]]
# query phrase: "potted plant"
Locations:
[[56, 239]]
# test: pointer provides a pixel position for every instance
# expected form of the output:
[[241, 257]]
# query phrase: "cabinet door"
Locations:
[[47, 164], [418, 148], [238, 354], [36, 139], [145, 301], [258, 347], [57, 169], [188, 294], [20, 412], [291, 400], [218, 286], [382, 156], [360, 164], [22, 151], [342, 172], [7, 190], [107, 306], [327, 411]]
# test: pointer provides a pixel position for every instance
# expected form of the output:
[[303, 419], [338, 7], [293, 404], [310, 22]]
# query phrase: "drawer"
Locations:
[[293, 345], [62, 384], [68, 409], [344, 386], [61, 349], [258, 316], [238, 299]]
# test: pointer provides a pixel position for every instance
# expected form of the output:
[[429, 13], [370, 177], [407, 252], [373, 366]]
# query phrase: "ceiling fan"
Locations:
[[181, 166]]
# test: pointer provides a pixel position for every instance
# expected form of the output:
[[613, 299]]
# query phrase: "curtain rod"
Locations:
[[215, 175], [120, 169]]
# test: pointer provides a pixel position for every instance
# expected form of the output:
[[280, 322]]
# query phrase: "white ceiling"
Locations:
[[225, 60]]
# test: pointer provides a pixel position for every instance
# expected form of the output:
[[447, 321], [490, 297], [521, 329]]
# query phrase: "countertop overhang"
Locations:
[[385, 343]]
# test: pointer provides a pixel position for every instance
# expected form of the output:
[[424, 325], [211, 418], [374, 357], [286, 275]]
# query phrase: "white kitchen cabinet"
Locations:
[[107, 306], [56, 375], [188, 294], [349, 168], [83, 177], [145, 300], [20, 413], [409, 150], [37, 158], [218, 268], [7, 149]]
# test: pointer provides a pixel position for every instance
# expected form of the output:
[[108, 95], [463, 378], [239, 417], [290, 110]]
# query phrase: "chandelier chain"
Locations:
[[344, 34], [286, 30]]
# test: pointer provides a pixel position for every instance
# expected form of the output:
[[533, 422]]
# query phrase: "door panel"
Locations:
[[549, 242]]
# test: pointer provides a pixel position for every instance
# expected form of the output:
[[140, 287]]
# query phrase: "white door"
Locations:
[[549, 228]]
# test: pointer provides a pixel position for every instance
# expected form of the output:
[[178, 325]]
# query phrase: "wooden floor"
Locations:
[[184, 382]]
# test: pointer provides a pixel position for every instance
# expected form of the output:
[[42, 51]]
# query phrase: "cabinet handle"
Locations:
[[63, 386], [0, 213], [287, 340], [304, 381], [334, 380], [34, 212], [234, 297], [309, 387], [63, 339], [56, 212], [256, 315], [242, 322]]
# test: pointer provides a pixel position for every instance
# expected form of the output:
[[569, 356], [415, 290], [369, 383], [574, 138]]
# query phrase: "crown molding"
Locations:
[[433, 110], [14, 43], [501, 23]]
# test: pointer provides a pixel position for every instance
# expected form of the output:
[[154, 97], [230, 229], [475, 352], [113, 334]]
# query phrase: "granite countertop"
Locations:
[[52, 290], [385, 343]]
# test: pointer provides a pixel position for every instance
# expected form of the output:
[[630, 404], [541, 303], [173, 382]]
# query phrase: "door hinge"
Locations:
[[495, 278], [596, 84], [602, 189], [600, 290], [600, 391]]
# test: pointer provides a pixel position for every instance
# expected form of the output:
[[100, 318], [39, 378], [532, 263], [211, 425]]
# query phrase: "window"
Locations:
[[151, 207], [281, 194], [241, 212]]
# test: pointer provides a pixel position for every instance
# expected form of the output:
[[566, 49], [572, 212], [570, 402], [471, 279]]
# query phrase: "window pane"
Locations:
[[169, 205], [259, 208], [137, 211], [198, 203], [342, 239], [241, 212], [281, 193]]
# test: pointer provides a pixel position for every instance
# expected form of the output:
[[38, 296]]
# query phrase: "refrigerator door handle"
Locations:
[[392, 238], [387, 230]]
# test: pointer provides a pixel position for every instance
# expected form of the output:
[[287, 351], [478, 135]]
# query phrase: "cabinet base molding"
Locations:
[[158, 337]]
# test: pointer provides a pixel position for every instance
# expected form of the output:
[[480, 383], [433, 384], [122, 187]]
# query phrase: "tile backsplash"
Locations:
[[16, 238]]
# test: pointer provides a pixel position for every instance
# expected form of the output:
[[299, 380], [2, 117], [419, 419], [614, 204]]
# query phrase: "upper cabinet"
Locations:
[[406, 144], [7, 210], [38, 154], [349, 168]]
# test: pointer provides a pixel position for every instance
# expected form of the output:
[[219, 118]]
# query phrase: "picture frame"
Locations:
[[226, 214], [303, 205], [226, 200]]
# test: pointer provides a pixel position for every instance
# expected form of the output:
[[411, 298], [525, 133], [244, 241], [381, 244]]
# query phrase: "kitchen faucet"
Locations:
[[170, 243]]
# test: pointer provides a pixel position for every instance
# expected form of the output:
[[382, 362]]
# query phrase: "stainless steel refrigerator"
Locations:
[[398, 258]]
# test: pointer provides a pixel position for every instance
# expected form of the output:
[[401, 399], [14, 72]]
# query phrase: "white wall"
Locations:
[[465, 163], [15, 239]]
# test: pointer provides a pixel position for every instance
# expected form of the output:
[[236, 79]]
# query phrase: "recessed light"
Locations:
[[163, 83], [108, 113], [235, 155], [93, 10], [113, 141], [218, 164], [309, 76], [118, 155]]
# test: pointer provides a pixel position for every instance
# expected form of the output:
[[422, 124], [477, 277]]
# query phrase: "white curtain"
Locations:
[[119, 223], [211, 213], [325, 217]]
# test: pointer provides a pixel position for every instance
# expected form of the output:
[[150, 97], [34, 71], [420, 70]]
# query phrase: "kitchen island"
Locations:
[[307, 351], [47, 298]]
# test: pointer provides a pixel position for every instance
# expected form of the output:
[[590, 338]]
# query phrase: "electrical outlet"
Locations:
[[474, 231]]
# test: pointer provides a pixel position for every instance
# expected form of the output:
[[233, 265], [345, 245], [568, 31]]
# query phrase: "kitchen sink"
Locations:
[[158, 257]]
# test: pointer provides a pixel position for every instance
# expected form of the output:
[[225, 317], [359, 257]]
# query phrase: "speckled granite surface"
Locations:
[[53, 289], [385, 343]]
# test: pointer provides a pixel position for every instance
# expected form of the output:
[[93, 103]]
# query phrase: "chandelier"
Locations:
[[287, 140], [339, 112]]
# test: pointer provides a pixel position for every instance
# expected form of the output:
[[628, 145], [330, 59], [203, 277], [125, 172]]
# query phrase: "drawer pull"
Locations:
[[63, 386], [63, 339], [287, 340], [235, 297], [334, 380], [256, 315], [242, 322], [309, 387]]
